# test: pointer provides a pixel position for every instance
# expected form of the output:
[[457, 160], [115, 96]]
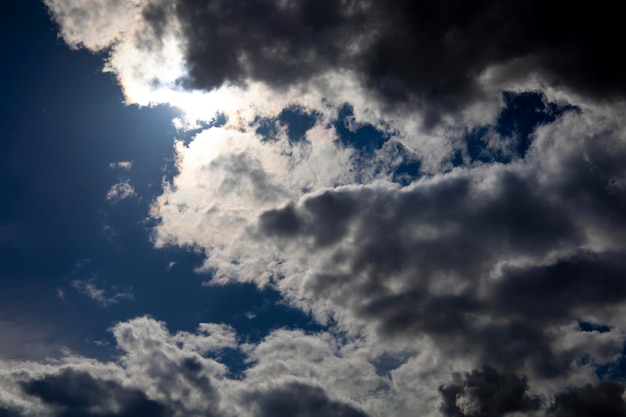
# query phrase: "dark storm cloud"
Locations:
[[602, 400], [432, 51], [486, 393], [489, 393], [73, 393], [298, 400], [542, 293], [232, 41]]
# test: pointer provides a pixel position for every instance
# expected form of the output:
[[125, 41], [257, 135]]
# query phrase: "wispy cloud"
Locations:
[[103, 297]]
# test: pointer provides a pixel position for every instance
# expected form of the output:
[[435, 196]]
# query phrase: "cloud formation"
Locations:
[[440, 184], [433, 57], [162, 374], [181, 374]]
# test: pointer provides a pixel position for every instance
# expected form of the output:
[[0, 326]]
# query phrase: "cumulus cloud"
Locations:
[[486, 392], [160, 373], [448, 255], [487, 263], [181, 374], [72, 392], [441, 184]]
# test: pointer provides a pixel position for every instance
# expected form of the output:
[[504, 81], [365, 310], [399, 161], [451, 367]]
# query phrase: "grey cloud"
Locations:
[[602, 400], [279, 43], [246, 176], [330, 215], [485, 260], [543, 293], [298, 400], [73, 393], [488, 262], [163, 374], [432, 52], [486, 393], [290, 374], [157, 374]]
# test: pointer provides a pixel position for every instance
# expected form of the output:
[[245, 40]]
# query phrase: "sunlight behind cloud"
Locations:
[[445, 203]]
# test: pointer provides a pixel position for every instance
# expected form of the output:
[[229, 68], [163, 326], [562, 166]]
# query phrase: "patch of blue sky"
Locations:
[[363, 137], [375, 148], [187, 135], [295, 119], [521, 115], [298, 121], [593, 327], [615, 370]]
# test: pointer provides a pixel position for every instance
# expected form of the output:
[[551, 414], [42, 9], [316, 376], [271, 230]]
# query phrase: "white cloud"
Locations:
[[94, 24], [121, 191], [121, 164]]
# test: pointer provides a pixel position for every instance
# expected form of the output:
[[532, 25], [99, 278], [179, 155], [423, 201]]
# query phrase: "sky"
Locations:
[[340, 208]]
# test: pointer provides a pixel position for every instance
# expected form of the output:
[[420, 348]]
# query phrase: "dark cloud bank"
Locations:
[[428, 53]]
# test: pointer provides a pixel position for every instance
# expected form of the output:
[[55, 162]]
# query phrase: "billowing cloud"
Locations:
[[72, 393], [433, 57], [440, 184], [288, 373], [604, 399], [492, 254], [488, 263], [487, 393], [160, 373]]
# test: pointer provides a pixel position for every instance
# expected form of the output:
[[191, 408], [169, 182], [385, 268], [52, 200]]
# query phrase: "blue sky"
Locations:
[[278, 208], [63, 130]]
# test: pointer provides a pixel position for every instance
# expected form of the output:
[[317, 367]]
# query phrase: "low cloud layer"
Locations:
[[436, 57], [159, 374], [440, 185]]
